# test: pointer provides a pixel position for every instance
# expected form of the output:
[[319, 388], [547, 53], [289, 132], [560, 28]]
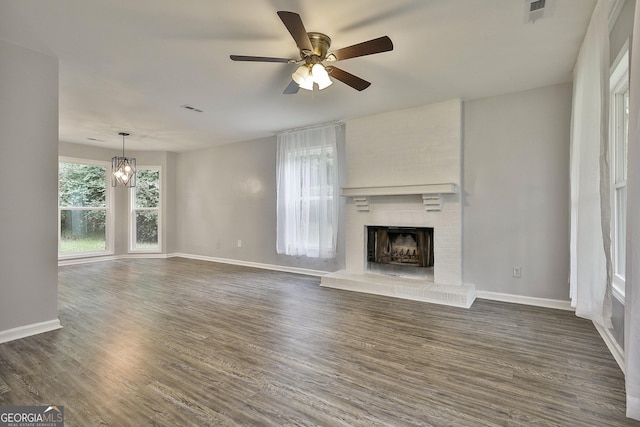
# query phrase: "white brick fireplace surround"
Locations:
[[403, 170]]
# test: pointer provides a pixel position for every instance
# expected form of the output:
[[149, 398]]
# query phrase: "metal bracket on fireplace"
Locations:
[[432, 202], [362, 203]]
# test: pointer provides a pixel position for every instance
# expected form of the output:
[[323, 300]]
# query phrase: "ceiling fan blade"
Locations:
[[381, 44], [348, 78], [294, 24], [292, 88], [259, 59]]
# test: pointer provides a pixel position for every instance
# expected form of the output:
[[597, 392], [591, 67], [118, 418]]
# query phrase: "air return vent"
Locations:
[[536, 5], [535, 9]]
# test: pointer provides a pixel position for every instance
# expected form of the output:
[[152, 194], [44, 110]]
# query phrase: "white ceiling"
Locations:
[[128, 65]]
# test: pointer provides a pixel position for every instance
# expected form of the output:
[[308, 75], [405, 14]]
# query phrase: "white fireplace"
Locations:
[[403, 170]]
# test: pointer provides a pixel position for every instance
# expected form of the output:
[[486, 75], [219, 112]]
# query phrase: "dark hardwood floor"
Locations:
[[190, 343]]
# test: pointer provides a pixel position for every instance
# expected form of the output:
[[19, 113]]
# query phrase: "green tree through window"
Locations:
[[146, 210], [82, 207]]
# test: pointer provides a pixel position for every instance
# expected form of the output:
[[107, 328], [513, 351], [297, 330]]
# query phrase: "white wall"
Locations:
[[28, 193], [414, 146], [228, 193], [516, 192]]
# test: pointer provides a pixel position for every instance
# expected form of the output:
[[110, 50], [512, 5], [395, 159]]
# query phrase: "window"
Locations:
[[83, 208], [307, 217], [145, 211], [619, 141]]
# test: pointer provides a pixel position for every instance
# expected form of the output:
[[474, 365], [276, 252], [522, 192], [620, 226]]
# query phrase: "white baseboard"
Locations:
[[614, 348], [87, 260], [29, 330], [520, 299], [297, 270]]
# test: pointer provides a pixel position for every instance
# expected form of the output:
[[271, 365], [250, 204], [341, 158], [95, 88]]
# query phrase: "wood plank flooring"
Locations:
[[181, 342]]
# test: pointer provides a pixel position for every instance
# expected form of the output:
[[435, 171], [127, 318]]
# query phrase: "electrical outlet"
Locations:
[[517, 272], [239, 243]]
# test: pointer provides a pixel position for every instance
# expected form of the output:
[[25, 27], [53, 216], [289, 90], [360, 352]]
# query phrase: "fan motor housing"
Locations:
[[320, 43]]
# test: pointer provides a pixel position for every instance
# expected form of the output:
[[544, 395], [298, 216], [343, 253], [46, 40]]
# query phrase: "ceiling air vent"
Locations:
[[535, 9], [191, 108], [536, 5]]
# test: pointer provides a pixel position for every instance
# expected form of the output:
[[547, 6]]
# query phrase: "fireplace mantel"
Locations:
[[431, 194]]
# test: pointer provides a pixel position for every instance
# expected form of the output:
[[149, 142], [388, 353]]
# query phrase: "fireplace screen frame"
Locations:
[[384, 246]]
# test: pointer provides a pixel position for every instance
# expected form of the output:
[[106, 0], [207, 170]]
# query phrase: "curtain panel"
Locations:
[[307, 192], [590, 240]]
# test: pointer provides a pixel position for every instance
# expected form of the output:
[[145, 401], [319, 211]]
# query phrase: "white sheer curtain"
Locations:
[[632, 291], [307, 180], [590, 244]]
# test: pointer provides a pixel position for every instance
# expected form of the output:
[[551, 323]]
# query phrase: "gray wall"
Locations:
[[516, 192], [228, 193], [28, 194], [515, 195], [515, 183], [622, 29], [167, 161]]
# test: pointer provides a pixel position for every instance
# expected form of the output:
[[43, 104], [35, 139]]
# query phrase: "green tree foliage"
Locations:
[[147, 188], [82, 186]]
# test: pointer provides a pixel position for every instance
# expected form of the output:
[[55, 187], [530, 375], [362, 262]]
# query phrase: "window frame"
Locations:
[[133, 209], [618, 144], [314, 197], [289, 194], [108, 208]]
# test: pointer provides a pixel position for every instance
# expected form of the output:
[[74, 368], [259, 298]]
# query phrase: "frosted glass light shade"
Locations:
[[300, 74], [307, 84], [320, 76]]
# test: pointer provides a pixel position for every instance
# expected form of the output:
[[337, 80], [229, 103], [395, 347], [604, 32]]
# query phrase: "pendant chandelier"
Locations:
[[123, 169]]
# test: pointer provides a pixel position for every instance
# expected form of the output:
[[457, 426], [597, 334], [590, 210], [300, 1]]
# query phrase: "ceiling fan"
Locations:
[[314, 49]]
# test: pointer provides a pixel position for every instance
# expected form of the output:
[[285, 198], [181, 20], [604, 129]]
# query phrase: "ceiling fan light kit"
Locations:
[[306, 76], [314, 49]]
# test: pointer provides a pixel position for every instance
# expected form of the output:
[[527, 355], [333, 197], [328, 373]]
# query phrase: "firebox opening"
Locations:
[[400, 250]]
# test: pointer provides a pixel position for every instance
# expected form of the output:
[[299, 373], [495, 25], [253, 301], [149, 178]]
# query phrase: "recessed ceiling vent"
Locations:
[[535, 9], [191, 108], [536, 5]]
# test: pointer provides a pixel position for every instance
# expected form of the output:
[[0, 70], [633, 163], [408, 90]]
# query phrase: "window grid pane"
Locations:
[[625, 133], [619, 120], [147, 229], [83, 208], [146, 213], [147, 188], [82, 231], [81, 185], [620, 231]]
